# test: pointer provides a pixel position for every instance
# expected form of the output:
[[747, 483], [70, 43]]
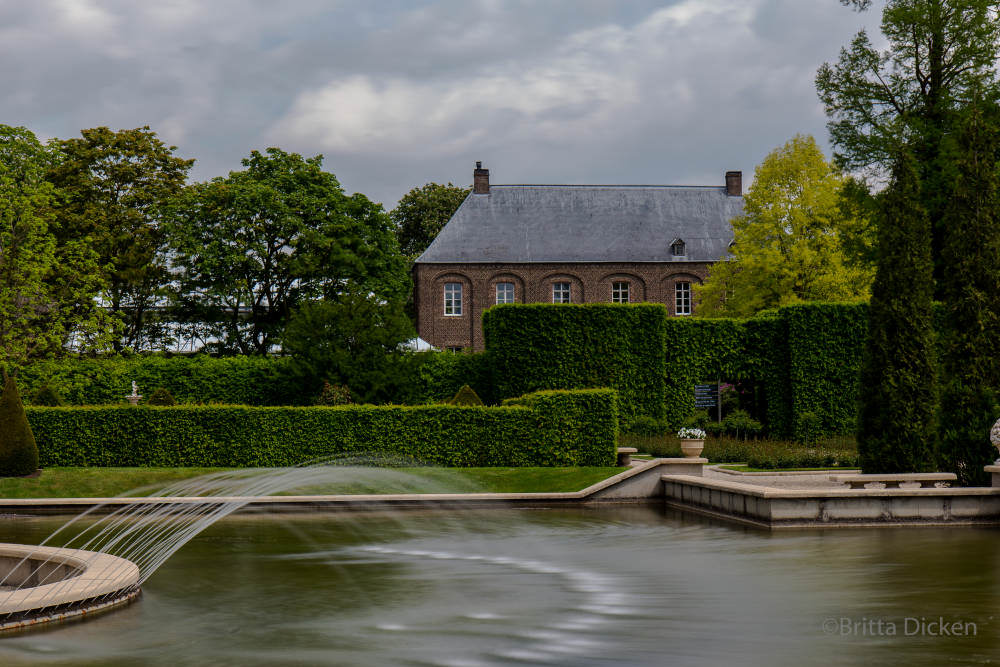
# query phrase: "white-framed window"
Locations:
[[619, 292], [561, 293], [677, 248], [453, 299], [505, 292], [457, 349], [682, 298]]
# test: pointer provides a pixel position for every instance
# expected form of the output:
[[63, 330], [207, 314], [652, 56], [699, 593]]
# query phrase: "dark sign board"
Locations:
[[706, 395]]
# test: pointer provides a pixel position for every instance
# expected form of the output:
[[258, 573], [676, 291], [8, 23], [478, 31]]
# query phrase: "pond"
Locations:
[[623, 585]]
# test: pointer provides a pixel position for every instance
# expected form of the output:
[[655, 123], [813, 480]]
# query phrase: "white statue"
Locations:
[[134, 397], [995, 436]]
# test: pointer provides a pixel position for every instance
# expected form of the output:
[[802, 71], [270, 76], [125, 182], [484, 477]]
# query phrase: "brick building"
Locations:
[[569, 244]]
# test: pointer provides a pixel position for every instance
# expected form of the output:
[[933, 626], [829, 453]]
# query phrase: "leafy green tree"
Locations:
[[114, 187], [789, 243], [970, 329], [354, 339], [421, 214], [47, 288], [938, 54], [249, 248], [896, 428]]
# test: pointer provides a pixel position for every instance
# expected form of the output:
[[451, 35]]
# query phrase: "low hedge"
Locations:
[[572, 428], [840, 452]]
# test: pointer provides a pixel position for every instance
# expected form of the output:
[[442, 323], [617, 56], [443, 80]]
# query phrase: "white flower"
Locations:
[[691, 434], [995, 434]]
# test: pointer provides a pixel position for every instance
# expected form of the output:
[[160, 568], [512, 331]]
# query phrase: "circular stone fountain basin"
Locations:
[[45, 584]]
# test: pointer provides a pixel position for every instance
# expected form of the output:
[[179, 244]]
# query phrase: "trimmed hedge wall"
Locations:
[[553, 428], [533, 347], [805, 358], [190, 379], [825, 343]]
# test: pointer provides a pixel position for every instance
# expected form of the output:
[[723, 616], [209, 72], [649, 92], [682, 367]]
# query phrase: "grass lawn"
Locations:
[[109, 482]]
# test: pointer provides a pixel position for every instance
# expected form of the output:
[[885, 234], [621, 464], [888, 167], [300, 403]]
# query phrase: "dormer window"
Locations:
[[677, 248]]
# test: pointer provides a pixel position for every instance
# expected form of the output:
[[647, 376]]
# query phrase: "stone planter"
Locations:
[[691, 447]]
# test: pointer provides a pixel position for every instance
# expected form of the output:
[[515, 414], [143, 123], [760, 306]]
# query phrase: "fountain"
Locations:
[[631, 584], [102, 566]]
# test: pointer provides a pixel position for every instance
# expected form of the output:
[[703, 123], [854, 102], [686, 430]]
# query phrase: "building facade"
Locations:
[[569, 244]]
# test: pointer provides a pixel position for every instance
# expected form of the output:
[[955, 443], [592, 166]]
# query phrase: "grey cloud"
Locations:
[[396, 94]]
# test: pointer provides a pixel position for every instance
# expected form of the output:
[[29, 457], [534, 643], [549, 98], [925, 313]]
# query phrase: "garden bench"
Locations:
[[625, 456], [927, 480]]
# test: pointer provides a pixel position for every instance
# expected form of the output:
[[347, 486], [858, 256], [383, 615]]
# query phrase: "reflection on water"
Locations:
[[626, 585]]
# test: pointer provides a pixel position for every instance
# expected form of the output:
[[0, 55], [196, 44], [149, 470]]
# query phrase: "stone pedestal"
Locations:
[[684, 466], [994, 471]]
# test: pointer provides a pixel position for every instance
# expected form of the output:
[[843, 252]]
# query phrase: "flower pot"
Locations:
[[692, 447]]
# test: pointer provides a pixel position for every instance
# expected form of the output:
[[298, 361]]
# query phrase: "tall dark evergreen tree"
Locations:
[[896, 429], [970, 291]]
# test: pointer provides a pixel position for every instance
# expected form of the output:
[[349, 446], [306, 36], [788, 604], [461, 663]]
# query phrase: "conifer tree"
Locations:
[[18, 452], [898, 402], [970, 290]]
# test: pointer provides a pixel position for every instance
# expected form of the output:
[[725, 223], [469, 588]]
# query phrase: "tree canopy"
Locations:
[[422, 212], [354, 339], [114, 186], [940, 54], [47, 287], [789, 244], [249, 248]]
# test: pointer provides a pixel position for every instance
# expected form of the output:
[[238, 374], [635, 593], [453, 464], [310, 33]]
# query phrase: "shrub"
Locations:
[[161, 397], [18, 452], [333, 394], [698, 419], [576, 428], [765, 454], [647, 427], [48, 396], [808, 428], [465, 396], [740, 424]]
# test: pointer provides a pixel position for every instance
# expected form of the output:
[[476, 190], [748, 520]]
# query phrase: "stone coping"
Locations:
[[290, 503], [779, 473], [759, 491], [99, 576]]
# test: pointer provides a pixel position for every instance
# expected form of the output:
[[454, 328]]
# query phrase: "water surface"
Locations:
[[623, 585]]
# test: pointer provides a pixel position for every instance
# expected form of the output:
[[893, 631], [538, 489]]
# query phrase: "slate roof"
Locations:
[[587, 223]]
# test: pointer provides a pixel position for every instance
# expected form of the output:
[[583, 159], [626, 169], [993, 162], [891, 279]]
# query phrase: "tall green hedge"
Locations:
[[533, 347], [698, 351], [824, 343], [548, 429], [805, 358]]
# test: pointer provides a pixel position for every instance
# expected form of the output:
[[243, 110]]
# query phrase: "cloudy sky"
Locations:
[[398, 93]]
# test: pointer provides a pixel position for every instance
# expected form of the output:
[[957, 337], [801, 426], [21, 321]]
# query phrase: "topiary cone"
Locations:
[[466, 396], [18, 451]]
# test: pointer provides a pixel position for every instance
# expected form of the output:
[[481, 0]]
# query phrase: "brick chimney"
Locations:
[[480, 180], [734, 183]]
